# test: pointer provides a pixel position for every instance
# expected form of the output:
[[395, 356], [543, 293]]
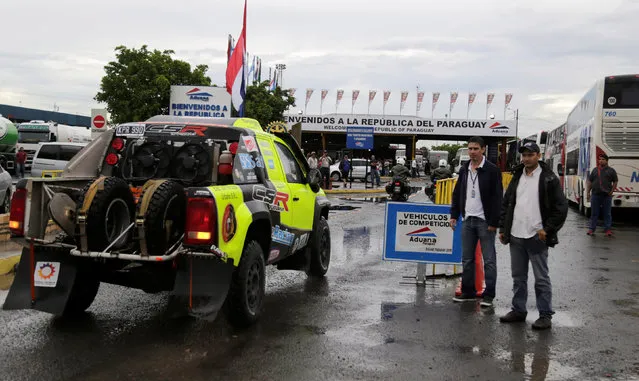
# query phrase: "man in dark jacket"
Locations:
[[533, 211], [477, 198]]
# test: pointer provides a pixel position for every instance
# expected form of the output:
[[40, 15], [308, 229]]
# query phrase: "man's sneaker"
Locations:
[[464, 298], [543, 322], [608, 233], [487, 301], [513, 317], [590, 232]]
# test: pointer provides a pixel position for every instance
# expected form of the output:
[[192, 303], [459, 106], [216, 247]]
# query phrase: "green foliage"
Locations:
[[266, 106], [137, 85], [451, 148]]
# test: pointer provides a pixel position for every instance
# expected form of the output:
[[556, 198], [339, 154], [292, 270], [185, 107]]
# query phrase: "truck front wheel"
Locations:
[[320, 249], [246, 296]]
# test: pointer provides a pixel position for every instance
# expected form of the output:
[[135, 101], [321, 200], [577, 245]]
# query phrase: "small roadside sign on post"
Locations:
[[98, 121], [421, 233], [360, 138]]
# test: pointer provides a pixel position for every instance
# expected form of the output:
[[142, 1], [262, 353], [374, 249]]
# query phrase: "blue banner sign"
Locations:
[[359, 137]]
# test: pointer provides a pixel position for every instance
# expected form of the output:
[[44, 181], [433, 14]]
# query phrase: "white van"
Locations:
[[461, 158], [53, 156]]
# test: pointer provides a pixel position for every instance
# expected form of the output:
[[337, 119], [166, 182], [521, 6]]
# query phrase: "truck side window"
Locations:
[[293, 171], [49, 152]]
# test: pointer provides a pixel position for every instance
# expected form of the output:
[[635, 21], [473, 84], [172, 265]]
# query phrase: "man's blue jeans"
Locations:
[[600, 203], [375, 176], [535, 251], [475, 229]]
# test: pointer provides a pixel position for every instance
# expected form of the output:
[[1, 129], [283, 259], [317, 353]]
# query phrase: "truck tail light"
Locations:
[[18, 212], [117, 144], [112, 159], [201, 218]]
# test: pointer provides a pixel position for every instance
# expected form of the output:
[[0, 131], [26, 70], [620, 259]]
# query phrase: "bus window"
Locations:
[[572, 161]]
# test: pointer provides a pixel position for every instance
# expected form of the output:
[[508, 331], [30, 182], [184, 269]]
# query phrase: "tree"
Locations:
[[451, 148], [137, 85], [266, 106]]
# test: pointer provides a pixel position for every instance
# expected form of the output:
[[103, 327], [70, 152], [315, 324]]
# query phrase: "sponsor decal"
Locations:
[[249, 162], [271, 197], [217, 251], [46, 274], [282, 236], [635, 177], [172, 129], [271, 164], [300, 242], [612, 101], [273, 255], [229, 223], [249, 143]]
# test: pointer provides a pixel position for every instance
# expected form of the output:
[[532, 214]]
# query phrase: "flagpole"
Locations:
[[417, 103]]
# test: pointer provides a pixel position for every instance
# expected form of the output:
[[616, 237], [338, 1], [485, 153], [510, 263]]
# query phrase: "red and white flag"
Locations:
[[386, 96], [291, 92], [355, 95], [420, 99], [453, 100], [324, 93], [471, 98], [236, 70], [489, 98], [509, 97], [371, 96], [338, 99], [435, 100], [403, 101], [309, 93]]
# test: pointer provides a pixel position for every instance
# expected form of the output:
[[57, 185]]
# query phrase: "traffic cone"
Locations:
[[480, 283]]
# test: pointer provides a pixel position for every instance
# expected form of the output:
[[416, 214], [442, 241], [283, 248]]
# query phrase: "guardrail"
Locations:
[[444, 193]]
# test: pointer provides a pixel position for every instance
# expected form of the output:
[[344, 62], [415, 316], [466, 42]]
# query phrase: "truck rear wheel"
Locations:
[[320, 249], [164, 216], [111, 211], [246, 296]]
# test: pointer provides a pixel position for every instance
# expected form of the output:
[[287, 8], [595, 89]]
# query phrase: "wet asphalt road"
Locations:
[[358, 323]]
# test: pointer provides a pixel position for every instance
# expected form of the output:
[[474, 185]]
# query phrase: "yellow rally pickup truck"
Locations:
[[197, 207]]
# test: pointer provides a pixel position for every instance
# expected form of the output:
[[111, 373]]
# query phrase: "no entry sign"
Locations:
[[98, 121]]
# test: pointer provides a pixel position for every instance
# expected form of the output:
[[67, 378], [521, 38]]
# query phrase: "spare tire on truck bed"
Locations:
[[108, 207], [163, 208]]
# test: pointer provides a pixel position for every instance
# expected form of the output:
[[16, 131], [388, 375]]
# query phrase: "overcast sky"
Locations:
[[546, 52]]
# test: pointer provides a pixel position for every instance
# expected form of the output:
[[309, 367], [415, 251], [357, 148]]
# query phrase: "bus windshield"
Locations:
[[621, 92]]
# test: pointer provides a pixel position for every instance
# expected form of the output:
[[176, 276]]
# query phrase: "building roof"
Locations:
[[24, 114]]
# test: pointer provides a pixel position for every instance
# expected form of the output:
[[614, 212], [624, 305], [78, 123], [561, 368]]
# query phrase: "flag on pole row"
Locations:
[[404, 96], [420, 99], [435, 100], [236, 70]]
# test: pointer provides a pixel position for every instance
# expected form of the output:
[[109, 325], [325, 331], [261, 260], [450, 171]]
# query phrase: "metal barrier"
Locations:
[[506, 178], [444, 192], [51, 172]]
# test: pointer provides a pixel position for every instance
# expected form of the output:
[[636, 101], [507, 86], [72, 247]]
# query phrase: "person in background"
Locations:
[[345, 168], [21, 160], [477, 197], [312, 160], [400, 170], [442, 172], [374, 171], [325, 168], [533, 212], [601, 182]]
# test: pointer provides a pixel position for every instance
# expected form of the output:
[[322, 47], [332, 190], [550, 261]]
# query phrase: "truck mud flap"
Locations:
[[43, 282], [201, 287]]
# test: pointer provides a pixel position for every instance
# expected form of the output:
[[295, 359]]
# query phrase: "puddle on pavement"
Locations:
[[537, 365], [343, 207]]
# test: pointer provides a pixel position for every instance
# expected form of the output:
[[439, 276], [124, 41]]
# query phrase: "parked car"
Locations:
[[360, 172], [53, 156]]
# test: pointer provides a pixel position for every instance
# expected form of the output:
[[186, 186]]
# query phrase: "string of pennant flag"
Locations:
[[403, 98]]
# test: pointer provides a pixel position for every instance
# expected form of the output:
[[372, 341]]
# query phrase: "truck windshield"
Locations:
[[33, 136]]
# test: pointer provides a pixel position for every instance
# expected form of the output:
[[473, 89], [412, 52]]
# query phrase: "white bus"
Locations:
[[605, 120]]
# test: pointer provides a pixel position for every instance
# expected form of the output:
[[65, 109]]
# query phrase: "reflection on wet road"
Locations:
[[357, 323]]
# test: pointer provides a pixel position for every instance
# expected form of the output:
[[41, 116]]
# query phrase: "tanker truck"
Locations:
[[8, 140], [31, 134]]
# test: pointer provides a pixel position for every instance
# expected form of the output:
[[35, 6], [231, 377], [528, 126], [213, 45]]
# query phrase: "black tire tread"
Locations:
[[238, 314], [316, 269], [153, 218], [96, 241]]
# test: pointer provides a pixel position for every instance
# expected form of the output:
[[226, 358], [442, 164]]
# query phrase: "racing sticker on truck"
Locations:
[[271, 197], [282, 236], [300, 242], [229, 223], [46, 274], [249, 143]]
